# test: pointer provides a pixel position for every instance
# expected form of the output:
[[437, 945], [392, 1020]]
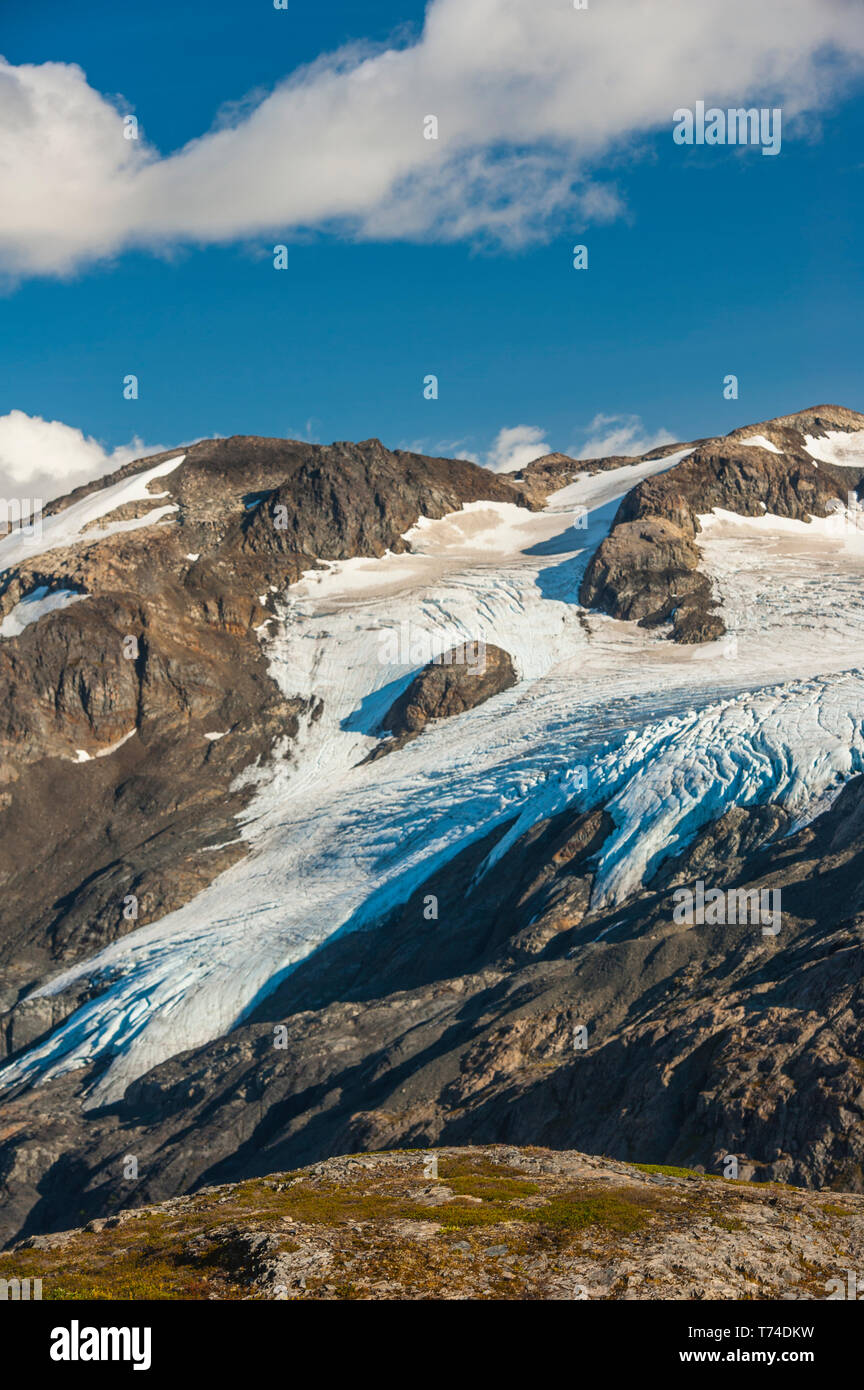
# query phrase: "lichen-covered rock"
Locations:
[[480, 1223]]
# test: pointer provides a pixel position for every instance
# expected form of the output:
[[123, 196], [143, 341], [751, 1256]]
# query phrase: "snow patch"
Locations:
[[844, 525], [82, 756], [35, 605], [761, 442], [845, 448]]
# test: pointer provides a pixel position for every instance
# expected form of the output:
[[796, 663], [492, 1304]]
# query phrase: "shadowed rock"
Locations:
[[456, 681]]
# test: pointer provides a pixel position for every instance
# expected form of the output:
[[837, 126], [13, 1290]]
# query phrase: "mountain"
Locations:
[[236, 937]]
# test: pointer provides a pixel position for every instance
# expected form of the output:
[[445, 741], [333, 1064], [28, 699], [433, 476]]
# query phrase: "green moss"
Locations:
[[495, 1182], [335, 1206], [832, 1209], [727, 1223], [624, 1212], [670, 1172], [92, 1270], [475, 1165]]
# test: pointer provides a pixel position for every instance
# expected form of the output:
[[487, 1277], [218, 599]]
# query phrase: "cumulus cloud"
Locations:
[[620, 434], [46, 459], [529, 99], [515, 447]]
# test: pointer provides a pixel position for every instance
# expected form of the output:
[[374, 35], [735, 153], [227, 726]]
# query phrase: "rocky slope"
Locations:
[[474, 1223]]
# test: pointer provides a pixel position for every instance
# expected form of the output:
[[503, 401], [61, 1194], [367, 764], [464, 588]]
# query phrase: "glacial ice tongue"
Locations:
[[789, 744]]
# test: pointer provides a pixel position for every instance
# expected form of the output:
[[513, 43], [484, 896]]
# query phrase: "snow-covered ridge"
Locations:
[[69, 526]]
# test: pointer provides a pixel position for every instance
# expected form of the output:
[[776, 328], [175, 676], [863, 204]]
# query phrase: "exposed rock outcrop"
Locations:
[[456, 681], [647, 570], [647, 567]]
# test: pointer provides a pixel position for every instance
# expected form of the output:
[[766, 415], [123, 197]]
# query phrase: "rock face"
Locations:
[[647, 567], [454, 682], [647, 570], [473, 1223], [358, 499]]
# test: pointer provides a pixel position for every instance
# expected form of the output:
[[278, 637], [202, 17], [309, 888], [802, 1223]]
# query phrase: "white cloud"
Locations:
[[45, 458], [530, 98], [515, 447], [620, 434]]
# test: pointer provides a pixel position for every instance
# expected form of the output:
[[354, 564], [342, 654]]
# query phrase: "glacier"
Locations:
[[604, 713]]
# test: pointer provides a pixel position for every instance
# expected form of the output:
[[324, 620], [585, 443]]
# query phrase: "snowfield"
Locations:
[[604, 712], [761, 442], [842, 447]]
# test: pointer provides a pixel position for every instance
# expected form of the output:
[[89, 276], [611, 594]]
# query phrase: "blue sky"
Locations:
[[716, 261]]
